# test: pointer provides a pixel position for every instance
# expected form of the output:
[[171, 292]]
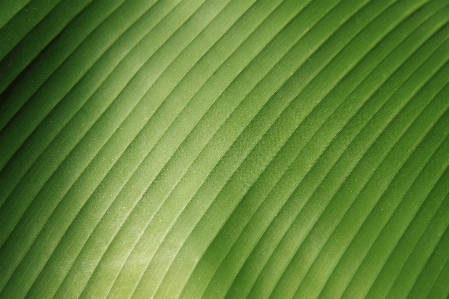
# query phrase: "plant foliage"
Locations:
[[224, 148]]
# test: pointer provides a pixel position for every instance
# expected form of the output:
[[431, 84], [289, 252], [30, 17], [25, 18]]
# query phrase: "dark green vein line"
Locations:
[[23, 23], [38, 38], [10, 8], [5, 66]]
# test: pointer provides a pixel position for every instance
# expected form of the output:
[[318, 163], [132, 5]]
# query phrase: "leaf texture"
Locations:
[[224, 149]]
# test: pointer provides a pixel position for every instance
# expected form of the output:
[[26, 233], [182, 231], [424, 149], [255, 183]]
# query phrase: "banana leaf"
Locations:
[[224, 149]]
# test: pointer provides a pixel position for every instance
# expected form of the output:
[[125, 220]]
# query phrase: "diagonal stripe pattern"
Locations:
[[224, 149]]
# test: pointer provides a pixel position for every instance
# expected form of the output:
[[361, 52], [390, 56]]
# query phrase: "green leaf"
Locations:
[[224, 148]]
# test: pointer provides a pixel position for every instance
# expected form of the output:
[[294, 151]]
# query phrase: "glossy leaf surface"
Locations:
[[224, 149]]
